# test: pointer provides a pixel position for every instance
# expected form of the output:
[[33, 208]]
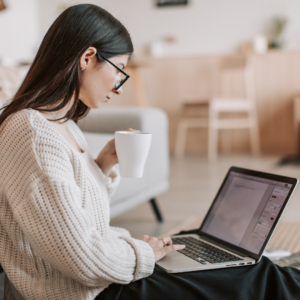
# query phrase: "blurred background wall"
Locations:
[[19, 30], [202, 27]]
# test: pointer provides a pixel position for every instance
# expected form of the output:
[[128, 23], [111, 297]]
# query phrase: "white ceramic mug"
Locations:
[[132, 151]]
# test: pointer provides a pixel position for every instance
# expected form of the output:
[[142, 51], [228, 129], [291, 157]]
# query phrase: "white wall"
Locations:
[[203, 27], [19, 30]]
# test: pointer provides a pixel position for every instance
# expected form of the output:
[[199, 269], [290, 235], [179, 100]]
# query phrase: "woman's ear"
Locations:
[[86, 57]]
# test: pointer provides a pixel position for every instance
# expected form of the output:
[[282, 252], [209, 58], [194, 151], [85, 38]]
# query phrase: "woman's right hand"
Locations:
[[161, 246]]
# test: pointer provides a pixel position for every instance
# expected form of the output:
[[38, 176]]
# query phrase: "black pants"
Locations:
[[262, 281]]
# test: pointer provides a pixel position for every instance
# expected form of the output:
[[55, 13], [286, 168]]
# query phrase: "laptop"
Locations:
[[238, 226]]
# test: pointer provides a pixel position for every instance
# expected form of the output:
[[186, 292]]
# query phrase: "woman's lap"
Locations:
[[262, 281]]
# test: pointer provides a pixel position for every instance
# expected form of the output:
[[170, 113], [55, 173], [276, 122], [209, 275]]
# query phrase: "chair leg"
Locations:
[[212, 135], [156, 210], [254, 140], [212, 144], [180, 139], [254, 135]]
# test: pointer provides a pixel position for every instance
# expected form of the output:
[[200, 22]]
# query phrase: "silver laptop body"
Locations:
[[238, 225]]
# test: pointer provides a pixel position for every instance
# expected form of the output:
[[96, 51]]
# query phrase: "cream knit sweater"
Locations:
[[55, 237]]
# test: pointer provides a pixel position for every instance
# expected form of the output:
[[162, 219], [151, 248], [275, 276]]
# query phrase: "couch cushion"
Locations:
[[128, 186]]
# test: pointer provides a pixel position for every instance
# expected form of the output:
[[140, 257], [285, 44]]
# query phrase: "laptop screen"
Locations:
[[245, 210]]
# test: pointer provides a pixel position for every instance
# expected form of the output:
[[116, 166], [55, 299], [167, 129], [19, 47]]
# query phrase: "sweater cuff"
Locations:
[[118, 231], [145, 259], [112, 181]]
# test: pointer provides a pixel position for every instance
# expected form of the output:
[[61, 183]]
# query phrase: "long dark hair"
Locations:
[[55, 72]]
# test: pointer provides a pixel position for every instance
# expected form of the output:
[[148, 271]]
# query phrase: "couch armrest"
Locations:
[[146, 119], [111, 119]]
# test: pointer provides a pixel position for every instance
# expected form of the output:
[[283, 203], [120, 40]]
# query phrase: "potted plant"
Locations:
[[278, 26]]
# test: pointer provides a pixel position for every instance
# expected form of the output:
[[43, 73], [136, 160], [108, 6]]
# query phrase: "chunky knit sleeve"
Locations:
[[113, 179], [48, 205], [63, 235]]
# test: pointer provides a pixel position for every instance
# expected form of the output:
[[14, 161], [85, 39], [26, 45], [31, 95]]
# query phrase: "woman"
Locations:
[[56, 242]]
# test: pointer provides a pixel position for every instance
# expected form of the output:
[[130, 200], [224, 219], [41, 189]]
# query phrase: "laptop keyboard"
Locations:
[[202, 252]]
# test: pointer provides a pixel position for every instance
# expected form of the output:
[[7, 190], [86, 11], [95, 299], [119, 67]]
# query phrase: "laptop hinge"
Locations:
[[223, 246]]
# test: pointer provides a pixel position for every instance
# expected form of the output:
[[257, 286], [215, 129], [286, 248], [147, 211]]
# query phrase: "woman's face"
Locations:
[[98, 80]]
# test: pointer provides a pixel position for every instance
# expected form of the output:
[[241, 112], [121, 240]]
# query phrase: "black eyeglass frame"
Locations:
[[119, 84]]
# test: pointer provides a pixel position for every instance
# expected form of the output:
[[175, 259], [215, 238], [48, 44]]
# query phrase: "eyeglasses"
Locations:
[[119, 84]]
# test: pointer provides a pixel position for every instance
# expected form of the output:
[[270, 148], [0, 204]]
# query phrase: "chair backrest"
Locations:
[[237, 77]]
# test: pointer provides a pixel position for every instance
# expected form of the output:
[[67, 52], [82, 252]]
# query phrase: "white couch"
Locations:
[[99, 127]]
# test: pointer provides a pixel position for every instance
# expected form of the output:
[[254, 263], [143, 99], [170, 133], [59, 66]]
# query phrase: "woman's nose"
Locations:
[[119, 91]]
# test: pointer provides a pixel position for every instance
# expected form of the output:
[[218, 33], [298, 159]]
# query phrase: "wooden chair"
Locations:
[[229, 102]]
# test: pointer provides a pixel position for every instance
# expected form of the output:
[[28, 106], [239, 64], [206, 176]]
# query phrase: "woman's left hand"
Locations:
[[107, 158]]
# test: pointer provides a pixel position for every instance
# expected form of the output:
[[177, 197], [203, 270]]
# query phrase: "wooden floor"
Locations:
[[194, 183]]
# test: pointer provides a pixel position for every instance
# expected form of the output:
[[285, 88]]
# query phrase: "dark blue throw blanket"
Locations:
[[265, 281]]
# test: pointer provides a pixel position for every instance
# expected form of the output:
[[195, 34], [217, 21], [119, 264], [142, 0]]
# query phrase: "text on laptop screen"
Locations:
[[245, 210]]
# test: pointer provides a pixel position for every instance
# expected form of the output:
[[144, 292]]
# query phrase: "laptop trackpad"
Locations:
[[174, 260]]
